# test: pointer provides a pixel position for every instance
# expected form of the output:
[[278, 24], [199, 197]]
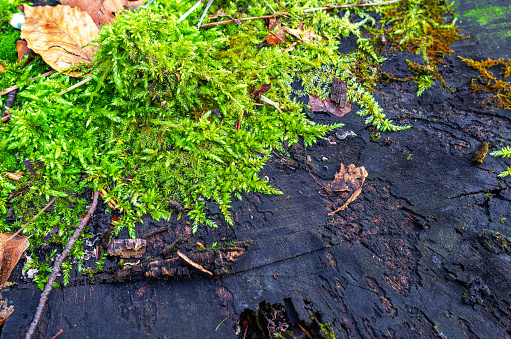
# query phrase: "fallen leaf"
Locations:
[[291, 47], [14, 176], [102, 12], [349, 178], [11, 248], [127, 248], [5, 311], [277, 33], [306, 35], [261, 90], [2, 68], [319, 105], [480, 154], [59, 35], [22, 48], [219, 13]]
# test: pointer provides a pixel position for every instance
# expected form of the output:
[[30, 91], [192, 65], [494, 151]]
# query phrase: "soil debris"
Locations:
[[127, 248]]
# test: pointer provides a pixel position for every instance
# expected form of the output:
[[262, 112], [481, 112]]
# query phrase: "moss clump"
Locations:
[[500, 88], [422, 27], [169, 115]]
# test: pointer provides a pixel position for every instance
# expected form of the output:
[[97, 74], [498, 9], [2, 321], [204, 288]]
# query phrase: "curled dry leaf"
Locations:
[[350, 179], [305, 35], [277, 33], [102, 12], [319, 105], [59, 35], [261, 90], [22, 49], [11, 248], [338, 95]]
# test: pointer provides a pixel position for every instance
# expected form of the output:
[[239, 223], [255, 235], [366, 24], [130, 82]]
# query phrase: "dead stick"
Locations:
[[243, 19], [56, 266], [194, 7], [12, 88], [84, 81], [194, 265], [35, 217], [351, 5], [278, 14]]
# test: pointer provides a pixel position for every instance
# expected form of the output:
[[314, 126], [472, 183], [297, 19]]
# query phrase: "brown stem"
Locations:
[[56, 266], [278, 14], [12, 88], [244, 19], [351, 5]]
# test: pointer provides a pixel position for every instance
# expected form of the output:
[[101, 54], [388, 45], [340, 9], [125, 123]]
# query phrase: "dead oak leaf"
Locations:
[[102, 12], [306, 35], [11, 248], [319, 105], [277, 33], [59, 35], [349, 178]]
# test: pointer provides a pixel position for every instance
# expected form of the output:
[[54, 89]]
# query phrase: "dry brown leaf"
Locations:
[[261, 90], [277, 33], [5, 311], [59, 35], [102, 12], [11, 248], [306, 35], [349, 178], [338, 94], [22, 49], [319, 105]]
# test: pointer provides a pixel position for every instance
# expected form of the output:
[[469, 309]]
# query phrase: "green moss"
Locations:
[[487, 15], [8, 36], [169, 115]]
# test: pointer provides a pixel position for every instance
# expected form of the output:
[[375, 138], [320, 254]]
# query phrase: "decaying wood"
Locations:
[[127, 248], [480, 154], [217, 262], [193, 264], [338, 94], [10, 102], [58, 262]]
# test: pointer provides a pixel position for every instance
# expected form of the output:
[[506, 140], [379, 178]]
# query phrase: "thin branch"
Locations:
[[204, 13], [76, 85], [351, 5], [244, 19], [193, 264], [194, 7], [35, 216], [278, 14], [56, 266], [12, 88]]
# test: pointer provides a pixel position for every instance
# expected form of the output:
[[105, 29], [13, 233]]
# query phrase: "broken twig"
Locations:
[[56, 267], [84, 81], [12, 88], [194, 265], [194, 7], [277, 14], [204, 13]]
